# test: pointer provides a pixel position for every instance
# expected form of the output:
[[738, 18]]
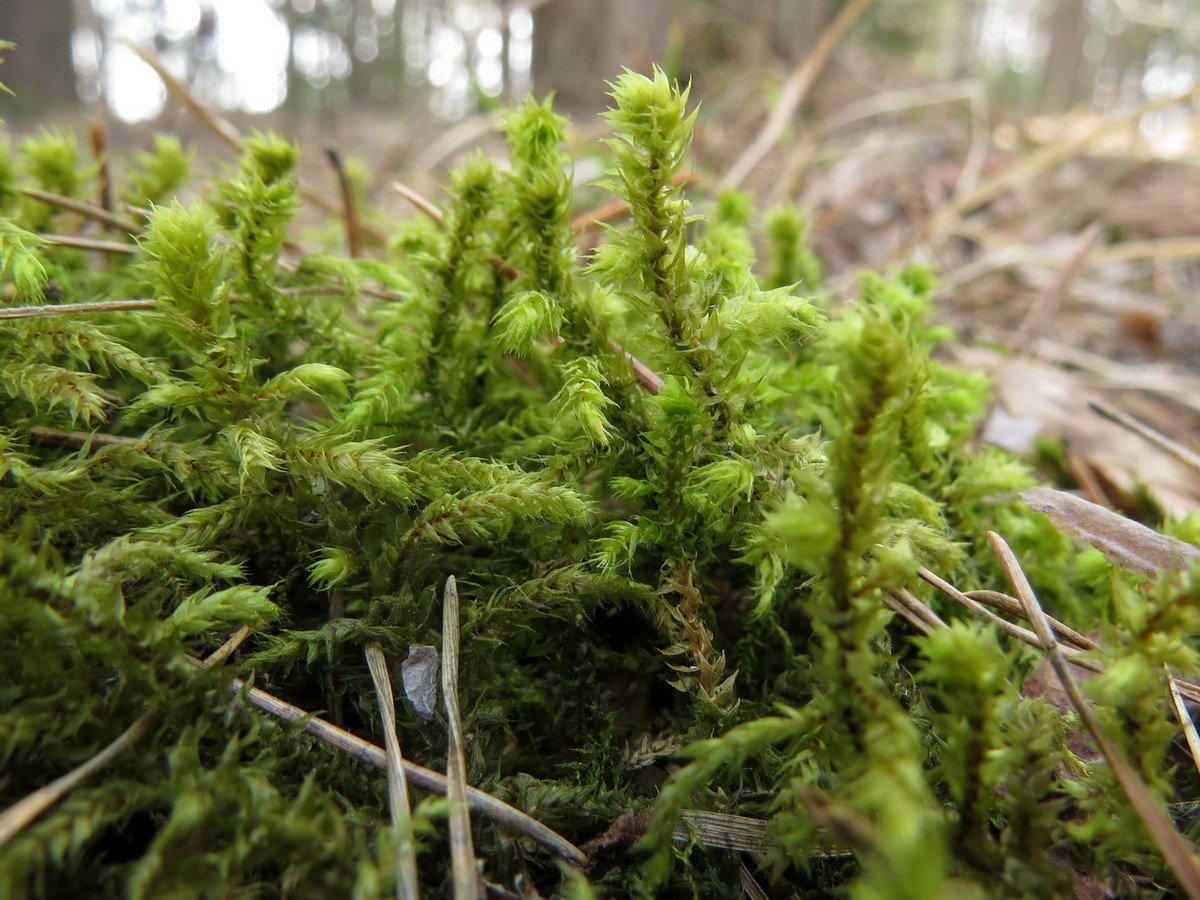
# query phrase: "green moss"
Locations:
[[679, 557]]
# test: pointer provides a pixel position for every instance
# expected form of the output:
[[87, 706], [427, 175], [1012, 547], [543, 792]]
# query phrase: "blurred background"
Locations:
[[1040, 155], [455, 57]]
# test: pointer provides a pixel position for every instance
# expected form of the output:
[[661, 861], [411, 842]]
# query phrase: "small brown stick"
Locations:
[[1015, 631], [617, 207], [14, 819], [70, 309], [1184, 717], [1012, 606], [183, 94], [1188, 457], [56, 437], [907, 614], [421, 202], [435, 782], [646, 377], [1174, 848], [1086, 478], [402, 825], [89, 243], [99, 140], [349, 213], [913, 610], [462, 850], [99, 213], [226, 132], [796, 88], [1041, 313]]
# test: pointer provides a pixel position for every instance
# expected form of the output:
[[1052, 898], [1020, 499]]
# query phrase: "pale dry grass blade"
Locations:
[[795, 89], [402, 826], [420, 201], [462, 849], [508, 816], [906, 614], [1174, 848], [1186, 456], [1031, 166], [227, 133], [85, 243], [88, 210], [14, 819], [1014, 631], [750, 886], [1185, 718], [183, 94], [1141, 251], [1044, 308]]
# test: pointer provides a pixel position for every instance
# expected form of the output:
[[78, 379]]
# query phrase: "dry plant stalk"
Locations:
[[1174, 849], [398, 802], [435, 782], [796, 88], [462, 850], [71, 309], [1185, 718]]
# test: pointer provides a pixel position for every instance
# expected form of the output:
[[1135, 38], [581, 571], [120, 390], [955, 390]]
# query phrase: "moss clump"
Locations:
[[674, 497]]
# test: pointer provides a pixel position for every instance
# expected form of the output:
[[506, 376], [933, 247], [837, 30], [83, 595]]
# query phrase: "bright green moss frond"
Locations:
[[19, 261], [185, 267]]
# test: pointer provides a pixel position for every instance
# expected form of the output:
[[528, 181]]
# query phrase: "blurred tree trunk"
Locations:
[[577, 47], [38, 70], [1061, 79], [959, 56]]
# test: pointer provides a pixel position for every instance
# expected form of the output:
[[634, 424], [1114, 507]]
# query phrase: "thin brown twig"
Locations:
[[83, 243], [616, 207], [349, 213], [1184, 717], [41, 310], [462, 849], [1012, 606], [227, 133], [1172, 844], [407, 887], [99, 140], [796, 88], [56, 437], [183, 94], [88, 210], [1041, 313], [907, 614], [485, 804], [1185, 455], [422, 203], [1015, 631]]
